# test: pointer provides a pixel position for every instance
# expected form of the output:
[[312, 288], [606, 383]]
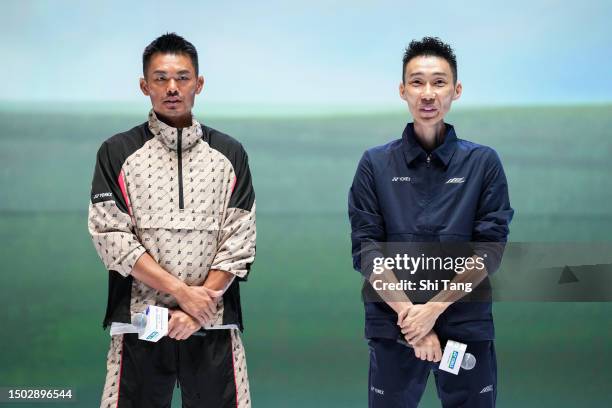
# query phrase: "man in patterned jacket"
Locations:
[[172, 216]]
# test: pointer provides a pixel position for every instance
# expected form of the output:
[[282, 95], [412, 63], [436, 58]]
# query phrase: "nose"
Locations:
[[172, 87], [428, 92]]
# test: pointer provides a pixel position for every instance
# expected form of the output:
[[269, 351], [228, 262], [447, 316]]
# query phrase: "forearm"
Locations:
[[397, 300], [218, 280], [472, 276], [153, 275]]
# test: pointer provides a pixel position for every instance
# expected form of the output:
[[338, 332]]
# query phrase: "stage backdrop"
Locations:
[[306, 90]]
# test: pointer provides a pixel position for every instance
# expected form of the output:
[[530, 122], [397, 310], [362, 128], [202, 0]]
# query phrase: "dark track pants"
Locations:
[[398, 379], [210, 370]]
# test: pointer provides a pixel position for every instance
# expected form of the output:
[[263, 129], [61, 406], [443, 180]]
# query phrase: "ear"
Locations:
[[458, 91], [402, 89], [144, 87], [199, 84]]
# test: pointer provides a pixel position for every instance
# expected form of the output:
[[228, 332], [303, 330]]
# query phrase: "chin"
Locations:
[[172, 113], [438, 117]]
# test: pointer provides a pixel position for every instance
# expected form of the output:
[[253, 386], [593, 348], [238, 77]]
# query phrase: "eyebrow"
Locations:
[[181, 72], [421, 73]]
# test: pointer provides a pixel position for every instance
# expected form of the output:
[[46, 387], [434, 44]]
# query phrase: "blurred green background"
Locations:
[[303, 315], [307, 87]]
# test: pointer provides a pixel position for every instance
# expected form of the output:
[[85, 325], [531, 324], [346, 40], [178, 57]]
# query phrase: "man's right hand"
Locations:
[[199, 302], [428, 348]]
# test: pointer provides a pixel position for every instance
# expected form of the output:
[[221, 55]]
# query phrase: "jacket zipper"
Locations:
[[180, 167], [428, 160]]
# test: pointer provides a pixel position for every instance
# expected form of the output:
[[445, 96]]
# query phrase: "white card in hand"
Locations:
[[452, 357]]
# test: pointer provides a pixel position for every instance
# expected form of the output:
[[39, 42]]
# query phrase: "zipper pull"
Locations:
[[428, 159]]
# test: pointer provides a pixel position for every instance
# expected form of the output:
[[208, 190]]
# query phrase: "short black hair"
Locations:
[[430, 46], [169, 43]]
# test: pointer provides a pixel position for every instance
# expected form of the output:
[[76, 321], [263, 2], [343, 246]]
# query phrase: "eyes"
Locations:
[[437, 83], [163, 78]]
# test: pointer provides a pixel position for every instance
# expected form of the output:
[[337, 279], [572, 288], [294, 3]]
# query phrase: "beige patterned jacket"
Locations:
[[184, 196]]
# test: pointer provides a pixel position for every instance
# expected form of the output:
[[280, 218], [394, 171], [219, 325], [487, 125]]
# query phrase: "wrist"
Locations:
[[438, 307], [399, 307], [218, 280], [178, 289]]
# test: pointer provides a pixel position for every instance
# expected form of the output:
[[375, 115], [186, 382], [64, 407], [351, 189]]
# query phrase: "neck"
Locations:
[[178, 122], [430, 136]]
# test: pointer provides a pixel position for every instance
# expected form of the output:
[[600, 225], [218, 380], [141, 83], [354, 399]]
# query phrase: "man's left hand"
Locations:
[[419, 321], [181, 325]]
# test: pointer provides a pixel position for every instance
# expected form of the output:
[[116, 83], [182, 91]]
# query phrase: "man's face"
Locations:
[[172, 84], [429, 88]]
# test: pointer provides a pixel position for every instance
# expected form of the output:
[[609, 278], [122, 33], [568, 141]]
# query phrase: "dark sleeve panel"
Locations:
[[105, 185], [243, 194], [109, 161]]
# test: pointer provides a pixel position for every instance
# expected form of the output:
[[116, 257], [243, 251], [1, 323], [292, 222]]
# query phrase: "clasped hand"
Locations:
[[198, 306], [416, 323]]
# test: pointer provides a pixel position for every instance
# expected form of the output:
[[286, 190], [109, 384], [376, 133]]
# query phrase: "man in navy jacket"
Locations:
[[429, 186]]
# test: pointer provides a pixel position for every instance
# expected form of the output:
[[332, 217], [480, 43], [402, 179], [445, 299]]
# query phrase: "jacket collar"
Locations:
[[444, 152], [168, 135]]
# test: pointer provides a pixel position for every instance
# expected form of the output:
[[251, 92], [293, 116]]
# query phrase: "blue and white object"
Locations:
[[452, 358], [151, 325]]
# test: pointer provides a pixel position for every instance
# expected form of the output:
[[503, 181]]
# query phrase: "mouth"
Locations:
[[170, 103], [428, 110]]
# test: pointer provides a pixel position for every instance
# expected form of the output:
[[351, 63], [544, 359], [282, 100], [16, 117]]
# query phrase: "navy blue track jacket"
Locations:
[[457, 193]]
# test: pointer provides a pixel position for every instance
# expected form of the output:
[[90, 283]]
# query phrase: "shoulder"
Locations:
[[116, 149], [475, 151], [231, 148], [125, 143], [382, 153], [221, 141]]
